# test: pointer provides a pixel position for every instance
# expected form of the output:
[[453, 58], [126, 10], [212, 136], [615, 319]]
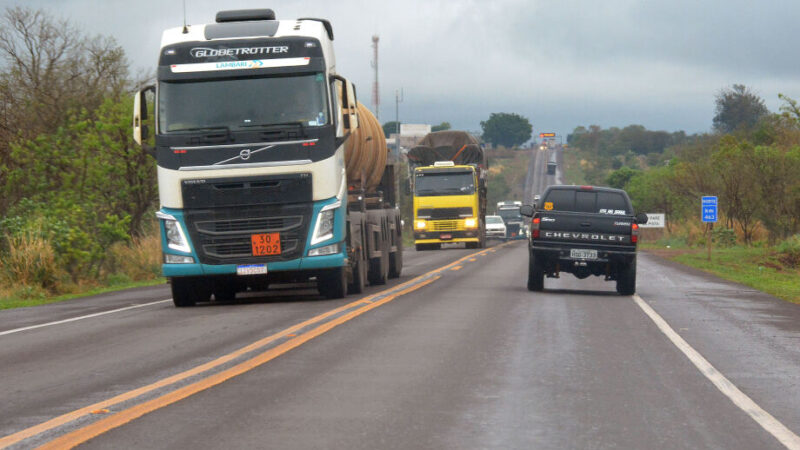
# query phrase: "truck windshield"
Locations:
[[444, 183], [510, 214], [242, 103]]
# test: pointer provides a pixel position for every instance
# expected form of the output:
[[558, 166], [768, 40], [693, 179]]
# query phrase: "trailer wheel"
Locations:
[[396, 261], [379, 267], [187, 291], [359, 275], [333, 283], [535, 273]]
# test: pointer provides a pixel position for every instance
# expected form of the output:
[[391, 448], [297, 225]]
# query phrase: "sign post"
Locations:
[[708, 211]]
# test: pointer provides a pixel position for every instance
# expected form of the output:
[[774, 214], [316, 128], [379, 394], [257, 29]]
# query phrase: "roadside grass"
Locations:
[[761, 268], [29, 276], [9, 300]]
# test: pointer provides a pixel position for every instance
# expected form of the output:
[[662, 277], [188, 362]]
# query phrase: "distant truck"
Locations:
[[515, 224], [449, 190], [551, 168], [269, 169], [583, 230]]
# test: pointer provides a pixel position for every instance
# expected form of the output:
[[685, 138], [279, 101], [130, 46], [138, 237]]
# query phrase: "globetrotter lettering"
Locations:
[[585, 236], [204, 52]]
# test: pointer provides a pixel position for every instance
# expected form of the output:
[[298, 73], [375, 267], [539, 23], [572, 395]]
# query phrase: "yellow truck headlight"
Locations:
[[471, 222], [420, 224]]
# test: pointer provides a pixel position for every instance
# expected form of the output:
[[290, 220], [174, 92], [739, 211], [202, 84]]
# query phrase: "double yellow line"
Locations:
[[348, 312]]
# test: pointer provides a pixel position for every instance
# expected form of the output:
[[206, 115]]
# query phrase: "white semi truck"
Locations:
[[269, 169]]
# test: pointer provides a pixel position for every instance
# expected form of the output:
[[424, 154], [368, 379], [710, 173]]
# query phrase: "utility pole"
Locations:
[[398, 98], [376, 95]]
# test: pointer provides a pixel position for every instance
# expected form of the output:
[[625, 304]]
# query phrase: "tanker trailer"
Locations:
[[269, 170], [449, 190]]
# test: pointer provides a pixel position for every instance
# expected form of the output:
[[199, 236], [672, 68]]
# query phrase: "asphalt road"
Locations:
[[455, 354]]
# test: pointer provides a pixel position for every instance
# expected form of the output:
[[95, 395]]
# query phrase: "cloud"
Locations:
[[561, 63]]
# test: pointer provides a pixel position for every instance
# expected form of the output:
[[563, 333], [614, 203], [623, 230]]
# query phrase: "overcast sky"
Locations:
[[560, 63]]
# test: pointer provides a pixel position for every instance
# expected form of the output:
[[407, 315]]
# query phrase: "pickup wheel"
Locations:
[[535, 273], [333, 283], [626, 279], [187, 291]]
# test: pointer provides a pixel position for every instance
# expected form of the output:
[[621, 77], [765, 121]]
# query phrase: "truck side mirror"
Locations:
[[526, 210], [140, 130], [641, 218]]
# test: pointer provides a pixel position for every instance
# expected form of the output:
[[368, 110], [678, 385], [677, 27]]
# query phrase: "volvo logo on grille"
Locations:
[[244, 154]]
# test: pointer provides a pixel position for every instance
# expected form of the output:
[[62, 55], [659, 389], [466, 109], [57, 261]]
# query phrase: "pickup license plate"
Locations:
[[583, 254], [445, 236], [266, 244], [251, 269]]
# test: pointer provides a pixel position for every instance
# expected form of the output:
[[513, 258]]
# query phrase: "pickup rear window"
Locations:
[[597, 202]]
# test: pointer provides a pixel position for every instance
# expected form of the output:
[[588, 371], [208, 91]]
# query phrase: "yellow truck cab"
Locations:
[[447, 206]]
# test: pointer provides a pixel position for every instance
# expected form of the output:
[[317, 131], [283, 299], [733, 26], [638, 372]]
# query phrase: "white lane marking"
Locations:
[[739, 398], [88, 316]]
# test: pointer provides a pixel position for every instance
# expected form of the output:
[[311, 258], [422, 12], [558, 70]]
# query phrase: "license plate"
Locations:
[[251, 269], [266, 244], [583, 254], [445, 236]]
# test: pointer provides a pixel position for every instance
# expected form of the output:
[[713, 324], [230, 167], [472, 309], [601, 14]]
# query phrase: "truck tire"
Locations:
[[187, 291], [379, 267], [396, 261], [626, 279], [424, 247], [333, 283], [535, 273], [359, 275]]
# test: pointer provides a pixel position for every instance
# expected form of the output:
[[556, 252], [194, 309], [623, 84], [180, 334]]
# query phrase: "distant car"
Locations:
[[495, 227]]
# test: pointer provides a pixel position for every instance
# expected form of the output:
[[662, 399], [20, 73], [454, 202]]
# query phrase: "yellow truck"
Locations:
[[449, 190]]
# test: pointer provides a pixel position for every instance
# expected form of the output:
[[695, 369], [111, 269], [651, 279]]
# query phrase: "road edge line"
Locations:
[[769, 423]]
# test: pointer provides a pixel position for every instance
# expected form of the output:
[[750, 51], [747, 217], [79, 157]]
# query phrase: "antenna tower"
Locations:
[[376, 97]]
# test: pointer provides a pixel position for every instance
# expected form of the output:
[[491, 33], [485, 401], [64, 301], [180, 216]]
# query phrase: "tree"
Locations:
[[506, 129], [441, 127], [50, 70], [391, 128], [738, 108], [619, 178]]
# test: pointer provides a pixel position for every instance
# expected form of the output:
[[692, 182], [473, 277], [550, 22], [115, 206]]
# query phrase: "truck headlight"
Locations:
[[420, 224], [326, 250], [471, 222], [178, 259], [176, 238], [323, 230]]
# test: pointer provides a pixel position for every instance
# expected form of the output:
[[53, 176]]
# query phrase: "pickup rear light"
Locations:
[[634, 233], [587, 188], [535, 227]]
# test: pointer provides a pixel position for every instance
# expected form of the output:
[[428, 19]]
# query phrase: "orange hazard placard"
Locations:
[[266, 244]]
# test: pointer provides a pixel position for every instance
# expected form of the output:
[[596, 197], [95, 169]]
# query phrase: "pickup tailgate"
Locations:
[[581, 230]]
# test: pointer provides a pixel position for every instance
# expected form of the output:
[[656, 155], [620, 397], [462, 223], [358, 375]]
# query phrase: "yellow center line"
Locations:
[[456, 268], [95, 429], [366, 302]]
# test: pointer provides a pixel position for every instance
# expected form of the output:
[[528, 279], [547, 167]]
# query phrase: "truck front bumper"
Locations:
[[302, 263], [438, 237]]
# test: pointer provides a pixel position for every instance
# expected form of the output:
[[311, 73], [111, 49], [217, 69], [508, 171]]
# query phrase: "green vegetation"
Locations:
[[507, 172], [507, 130], [774, 270], [76, 194], [751, 163]]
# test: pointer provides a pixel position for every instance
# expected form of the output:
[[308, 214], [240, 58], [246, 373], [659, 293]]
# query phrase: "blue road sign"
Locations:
[[709, 209]]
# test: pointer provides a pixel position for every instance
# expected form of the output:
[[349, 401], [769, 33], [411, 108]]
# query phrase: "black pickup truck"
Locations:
[[583, 230]]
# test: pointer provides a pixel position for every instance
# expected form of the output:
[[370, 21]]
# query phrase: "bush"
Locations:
[[30, 261], [789, 251], [723, 237]]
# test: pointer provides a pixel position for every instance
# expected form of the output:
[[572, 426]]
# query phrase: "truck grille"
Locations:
[[446, 225], [444, 213], [223, 235]]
